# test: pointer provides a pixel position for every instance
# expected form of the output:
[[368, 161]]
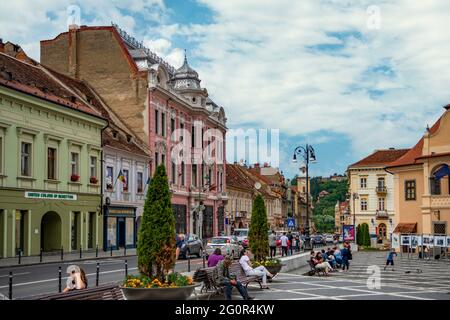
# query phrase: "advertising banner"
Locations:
[[349, 232]]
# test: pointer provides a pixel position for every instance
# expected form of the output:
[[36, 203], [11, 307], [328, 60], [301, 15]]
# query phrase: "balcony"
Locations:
[[382, 214], [440, 201], [381, 190], [224, 196]]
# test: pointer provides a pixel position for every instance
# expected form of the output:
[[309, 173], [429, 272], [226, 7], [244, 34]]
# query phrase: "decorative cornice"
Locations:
[[22, 130], [48, 137]]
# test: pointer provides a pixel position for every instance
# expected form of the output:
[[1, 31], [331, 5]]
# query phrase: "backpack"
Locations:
[[350, 256]]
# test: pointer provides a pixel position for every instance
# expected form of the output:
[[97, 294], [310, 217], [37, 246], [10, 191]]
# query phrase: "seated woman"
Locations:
[[214, 259], [338, 256], [319, 264]]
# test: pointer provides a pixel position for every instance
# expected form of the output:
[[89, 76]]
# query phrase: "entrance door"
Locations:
[[20, 231], [121, 227], [74, 228], [382, 230]]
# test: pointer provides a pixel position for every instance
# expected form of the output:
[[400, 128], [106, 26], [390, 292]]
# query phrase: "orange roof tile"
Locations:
[[380, 157]]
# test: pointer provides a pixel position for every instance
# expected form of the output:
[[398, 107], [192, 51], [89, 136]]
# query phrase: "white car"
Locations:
[[242, 236], [329, 238], [228, 245]]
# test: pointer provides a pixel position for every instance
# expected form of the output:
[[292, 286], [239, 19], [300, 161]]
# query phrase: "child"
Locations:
[[390, 259]]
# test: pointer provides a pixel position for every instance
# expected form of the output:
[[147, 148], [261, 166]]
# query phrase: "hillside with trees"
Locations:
[[323, 212]]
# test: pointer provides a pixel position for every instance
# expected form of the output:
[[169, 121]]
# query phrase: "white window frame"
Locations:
[[361, 184], [76, 163], [30, 158], [366, 202], [93, 166]]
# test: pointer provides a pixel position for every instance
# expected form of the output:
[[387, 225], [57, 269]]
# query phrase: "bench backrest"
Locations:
[[103, 292]]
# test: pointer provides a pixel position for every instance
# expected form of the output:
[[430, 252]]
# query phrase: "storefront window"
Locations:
[[112, 231], [129, 231]]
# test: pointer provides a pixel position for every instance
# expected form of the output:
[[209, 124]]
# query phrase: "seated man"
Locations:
[[258, 271], [222, 276]]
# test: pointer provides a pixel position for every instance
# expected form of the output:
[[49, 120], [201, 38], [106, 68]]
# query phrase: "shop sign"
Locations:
[[50, 196]]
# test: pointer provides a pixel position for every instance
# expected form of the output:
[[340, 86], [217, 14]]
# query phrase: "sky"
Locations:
[[346, 76]]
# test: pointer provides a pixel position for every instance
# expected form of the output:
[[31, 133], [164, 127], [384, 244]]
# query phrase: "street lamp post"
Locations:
[[354, 197], [308, 155]]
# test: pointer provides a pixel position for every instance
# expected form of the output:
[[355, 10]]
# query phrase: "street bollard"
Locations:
[[203, 258], [20, 256], [96, 251], [62, 253], [10, 285], [40, 256], [97, 274], [111, 250], [126, 269], [80, 250], [59, 280], [189, 262]]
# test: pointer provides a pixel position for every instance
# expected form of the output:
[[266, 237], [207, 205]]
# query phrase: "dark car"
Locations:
[[318, 240], [192, 245]]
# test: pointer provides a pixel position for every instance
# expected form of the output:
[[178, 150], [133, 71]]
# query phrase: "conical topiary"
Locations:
[[258, 235], [156, 243]]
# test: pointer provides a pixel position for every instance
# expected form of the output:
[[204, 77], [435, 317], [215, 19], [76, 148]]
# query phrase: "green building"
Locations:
[[50, 168]]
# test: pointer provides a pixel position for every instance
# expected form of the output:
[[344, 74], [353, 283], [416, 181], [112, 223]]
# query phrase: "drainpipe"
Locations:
[[102, 184]]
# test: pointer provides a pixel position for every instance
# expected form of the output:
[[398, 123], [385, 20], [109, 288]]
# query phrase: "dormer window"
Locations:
[[194, 100], [115, 135], [129, 139]]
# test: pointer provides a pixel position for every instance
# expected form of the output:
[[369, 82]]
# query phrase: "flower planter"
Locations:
[[274, 269], [180, 293]]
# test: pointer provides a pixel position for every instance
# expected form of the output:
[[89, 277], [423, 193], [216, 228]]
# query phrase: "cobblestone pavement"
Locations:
[[412, 279]]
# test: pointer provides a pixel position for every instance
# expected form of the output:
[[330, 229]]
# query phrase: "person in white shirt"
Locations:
[[284, 244], [258, 271]]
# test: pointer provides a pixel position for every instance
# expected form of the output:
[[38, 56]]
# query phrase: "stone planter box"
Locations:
[[181, 293]]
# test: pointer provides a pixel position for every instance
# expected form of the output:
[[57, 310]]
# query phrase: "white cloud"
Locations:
[[306, 66]]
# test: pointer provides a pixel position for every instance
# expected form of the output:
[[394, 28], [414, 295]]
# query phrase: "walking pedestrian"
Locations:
[[273, 244], [346, 256], [284, 244], [260, 271], [290, 238], [222, 276], [390, 259]]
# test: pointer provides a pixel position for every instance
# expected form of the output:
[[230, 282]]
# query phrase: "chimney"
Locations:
[[256, 165], [447, 107], [73, 43]]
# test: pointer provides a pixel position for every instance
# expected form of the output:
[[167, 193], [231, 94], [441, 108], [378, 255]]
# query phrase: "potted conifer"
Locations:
[[258, 237], [156, 249]]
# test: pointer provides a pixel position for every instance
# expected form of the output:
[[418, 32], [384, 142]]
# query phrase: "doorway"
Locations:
[[121, 227], [20, 231], [91, 233], [51, 231]]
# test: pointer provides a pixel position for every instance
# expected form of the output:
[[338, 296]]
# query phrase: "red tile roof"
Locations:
[[34, 80], [413, 154], [406, 228], [380, 158]]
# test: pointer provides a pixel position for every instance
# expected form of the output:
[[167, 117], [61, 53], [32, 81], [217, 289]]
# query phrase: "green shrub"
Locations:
[[259, 229]]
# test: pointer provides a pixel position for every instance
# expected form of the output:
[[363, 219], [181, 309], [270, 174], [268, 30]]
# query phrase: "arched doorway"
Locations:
[[51, 231], [382, 231]]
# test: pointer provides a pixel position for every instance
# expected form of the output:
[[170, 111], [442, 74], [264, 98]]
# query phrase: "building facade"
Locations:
[[372, 193], [341, 216], [421, 179], [50, 147], [167, 109]]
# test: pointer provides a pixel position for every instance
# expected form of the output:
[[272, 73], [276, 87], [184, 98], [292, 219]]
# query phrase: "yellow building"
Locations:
[[421, 181]]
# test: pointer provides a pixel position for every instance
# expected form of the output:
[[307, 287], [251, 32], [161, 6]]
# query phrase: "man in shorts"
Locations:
[[390, 259]]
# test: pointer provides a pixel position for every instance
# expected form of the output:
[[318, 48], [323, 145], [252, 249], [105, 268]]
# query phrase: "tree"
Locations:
[[366, 235], [259, 230], [358, 235], [156, 241]]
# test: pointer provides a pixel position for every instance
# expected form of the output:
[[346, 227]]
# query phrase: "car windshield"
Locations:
[[241, 233], [219, 240]]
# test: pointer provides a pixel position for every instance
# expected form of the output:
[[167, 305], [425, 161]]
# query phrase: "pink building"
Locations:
[[163, 106]]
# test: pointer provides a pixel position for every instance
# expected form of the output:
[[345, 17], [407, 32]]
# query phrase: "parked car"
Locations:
[[318, 240], [192, 245], [241, 234], [329, 238], [228, 245]]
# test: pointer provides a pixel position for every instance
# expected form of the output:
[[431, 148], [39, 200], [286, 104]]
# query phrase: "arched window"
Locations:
[[382, 230]]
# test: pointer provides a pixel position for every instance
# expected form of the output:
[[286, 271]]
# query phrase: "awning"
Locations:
[[442, 172], [406, 228]]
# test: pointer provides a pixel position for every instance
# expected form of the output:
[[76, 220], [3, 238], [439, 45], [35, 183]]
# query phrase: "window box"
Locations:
[[74, 178], [93, 180]]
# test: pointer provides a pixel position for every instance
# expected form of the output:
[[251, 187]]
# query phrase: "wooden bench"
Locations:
[[205, 275], [102, 292], [314, 270]]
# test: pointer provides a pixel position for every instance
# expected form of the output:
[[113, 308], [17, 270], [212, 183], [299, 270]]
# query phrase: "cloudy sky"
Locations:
[[347, 76]]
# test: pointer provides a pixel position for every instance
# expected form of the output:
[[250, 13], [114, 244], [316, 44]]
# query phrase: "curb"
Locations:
[[63, 261]]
